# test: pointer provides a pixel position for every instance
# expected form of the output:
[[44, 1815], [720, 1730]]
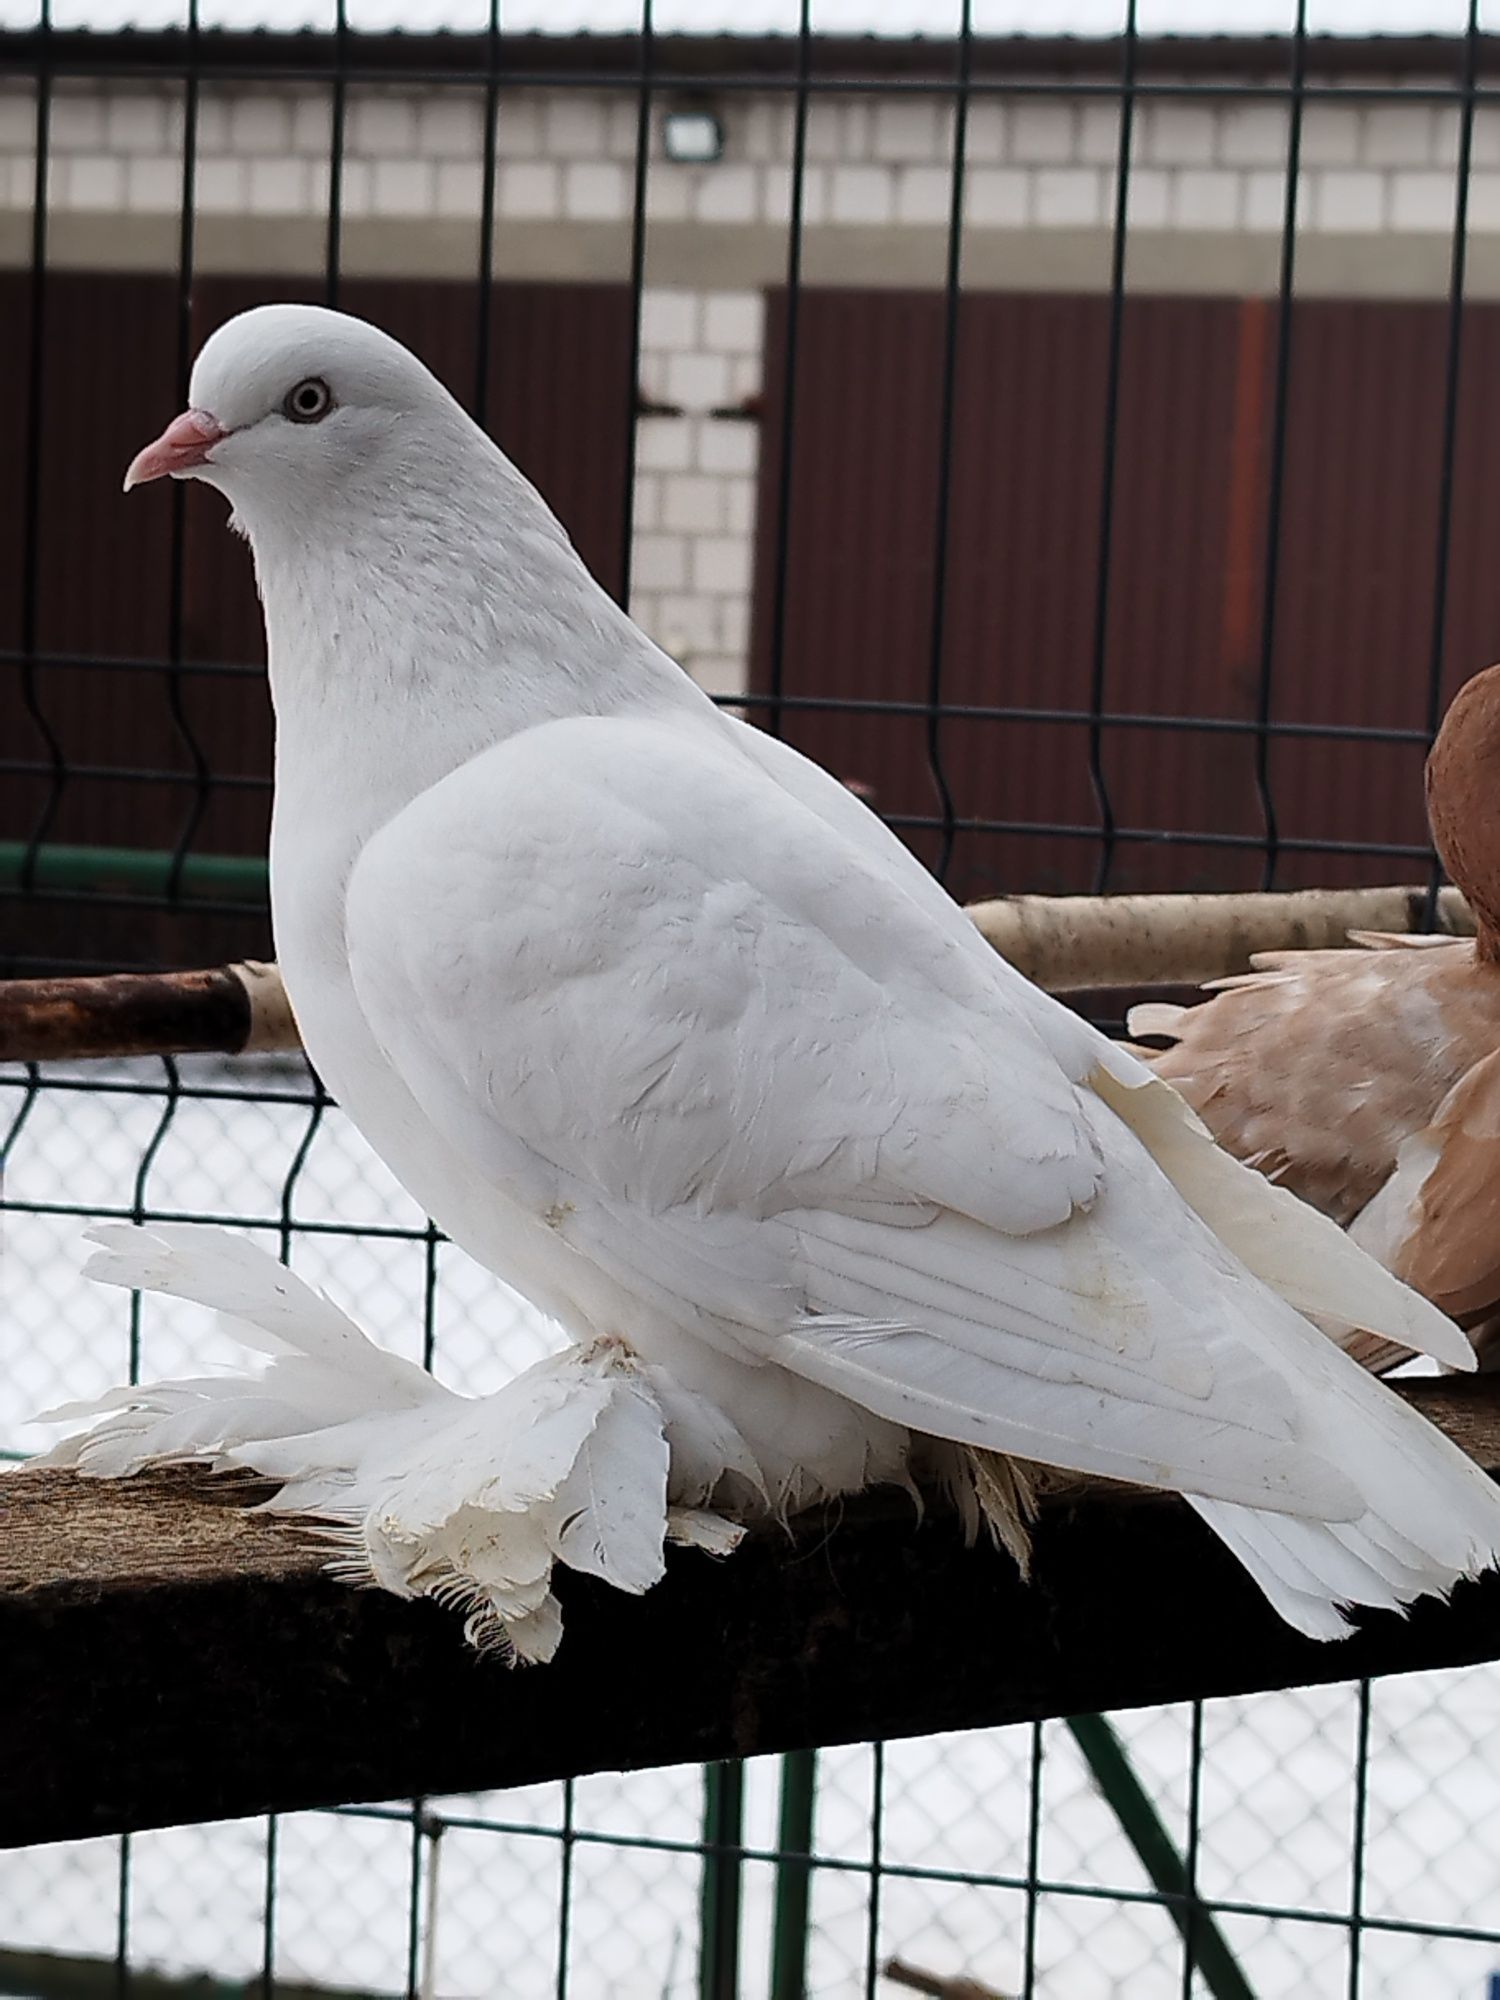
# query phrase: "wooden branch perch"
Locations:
[[1067, 944], [169, 1657], [1077, 944], [55, 1975], [943, 1986]]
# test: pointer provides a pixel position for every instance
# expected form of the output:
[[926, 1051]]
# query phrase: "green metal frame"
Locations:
[[723, 1868], [794, 1839], [1143, 1827], [145, 871]]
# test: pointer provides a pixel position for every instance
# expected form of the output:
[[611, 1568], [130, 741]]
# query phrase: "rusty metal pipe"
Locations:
[[228, 1010]]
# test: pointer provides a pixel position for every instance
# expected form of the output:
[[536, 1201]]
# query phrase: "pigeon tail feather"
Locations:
[[472, 1501], [1300, 1254]]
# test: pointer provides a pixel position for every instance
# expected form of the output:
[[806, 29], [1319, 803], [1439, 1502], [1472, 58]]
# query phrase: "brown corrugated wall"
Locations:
[[1354, 606], [1357, 547], [558, 397]]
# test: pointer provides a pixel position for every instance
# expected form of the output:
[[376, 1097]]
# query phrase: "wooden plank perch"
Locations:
[[1067, 944], [169, 1657]]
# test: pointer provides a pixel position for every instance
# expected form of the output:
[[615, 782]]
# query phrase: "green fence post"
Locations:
[[793, 1875], [719, 1908], [1142, 1826]]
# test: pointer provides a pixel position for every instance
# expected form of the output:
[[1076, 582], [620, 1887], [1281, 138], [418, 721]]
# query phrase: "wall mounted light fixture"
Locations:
[[693, 138]]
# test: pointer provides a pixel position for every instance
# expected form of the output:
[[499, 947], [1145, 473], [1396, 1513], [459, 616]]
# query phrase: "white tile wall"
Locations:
[[451, 126], [694, 504], [221, 186], [1207, 198], [575, 128], [1484, 201], [997, 197], [1398, 135], [312, 125], [596, 191], [1069, 198], [1252, 135], [380, 126], [95, 180], [1178, 135], [1422, 199], [1043, 134], [1341, 199], [989, 131], [1148, 198], [398, 187], [1265, 199], [17, 121], [909, 130], [518, 129], [1099, 134], [136, 124], [280, 187], [670, 321], [1486, 137], [697, 383], [924, 196], [78, 122], [1330, 136], [695, 481], [662, 444], [153, 184], [732, 322], [660, 562], [263, 124], [862, 194], [728, 192], [357, 188], [871, 164], [459, 187], [528, 188]]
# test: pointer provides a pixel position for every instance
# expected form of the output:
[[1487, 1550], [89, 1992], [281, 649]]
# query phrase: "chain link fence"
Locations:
[[1084, 447]]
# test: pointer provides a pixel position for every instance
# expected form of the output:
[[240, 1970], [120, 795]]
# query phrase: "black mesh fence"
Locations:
[[1084, 447]]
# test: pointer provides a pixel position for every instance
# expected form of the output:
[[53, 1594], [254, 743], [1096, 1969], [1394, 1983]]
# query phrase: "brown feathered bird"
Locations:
[[1368, 1080]]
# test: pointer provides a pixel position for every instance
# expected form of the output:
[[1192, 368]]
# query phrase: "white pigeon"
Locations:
[[661, 1024]]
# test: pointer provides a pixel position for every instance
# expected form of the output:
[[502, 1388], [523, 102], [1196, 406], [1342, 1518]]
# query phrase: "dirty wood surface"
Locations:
[[171, 1656]]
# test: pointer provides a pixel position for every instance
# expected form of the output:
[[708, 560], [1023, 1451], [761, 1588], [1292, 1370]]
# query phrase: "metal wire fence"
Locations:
[[986, 606]]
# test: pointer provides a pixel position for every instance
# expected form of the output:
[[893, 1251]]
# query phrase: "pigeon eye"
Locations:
[[309, 401]]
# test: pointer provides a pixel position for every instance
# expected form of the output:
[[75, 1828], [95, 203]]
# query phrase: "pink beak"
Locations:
[[183, 445]]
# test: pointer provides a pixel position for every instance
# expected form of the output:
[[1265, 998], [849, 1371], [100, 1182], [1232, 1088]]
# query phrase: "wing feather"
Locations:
[[656, 975], [1439, 1214]]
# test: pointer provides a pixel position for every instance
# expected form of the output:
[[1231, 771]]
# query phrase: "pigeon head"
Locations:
[[395, 545], [288, 404], [1462, 774]]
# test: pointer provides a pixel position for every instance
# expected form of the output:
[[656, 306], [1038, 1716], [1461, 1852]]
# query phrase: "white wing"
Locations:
[[628, 954], [1296, 1251]]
